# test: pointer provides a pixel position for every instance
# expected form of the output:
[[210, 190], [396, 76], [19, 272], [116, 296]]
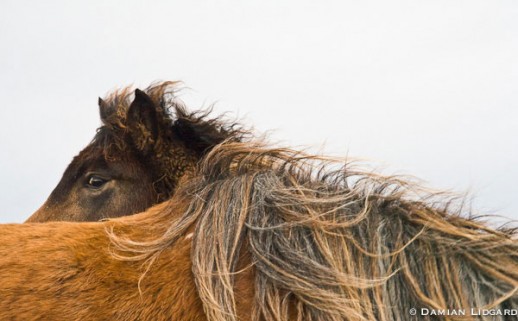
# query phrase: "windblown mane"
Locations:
[[328, 245]]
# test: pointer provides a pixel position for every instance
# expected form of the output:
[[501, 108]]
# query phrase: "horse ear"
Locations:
[[103, 110], [142, 121]]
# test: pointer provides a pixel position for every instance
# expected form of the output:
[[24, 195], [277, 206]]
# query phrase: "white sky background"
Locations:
[[426, 88]]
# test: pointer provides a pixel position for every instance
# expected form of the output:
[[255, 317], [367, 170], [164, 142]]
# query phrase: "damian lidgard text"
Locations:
[[472, 311]]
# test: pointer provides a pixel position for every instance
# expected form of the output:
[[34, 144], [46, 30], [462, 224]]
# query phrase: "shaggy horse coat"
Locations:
[[263, 234]]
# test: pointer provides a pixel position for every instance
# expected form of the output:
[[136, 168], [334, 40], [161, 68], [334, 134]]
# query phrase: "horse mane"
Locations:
[[326, 241]]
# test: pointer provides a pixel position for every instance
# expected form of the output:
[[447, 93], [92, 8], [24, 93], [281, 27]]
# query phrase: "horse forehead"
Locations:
[[97, 158], [90, 157]]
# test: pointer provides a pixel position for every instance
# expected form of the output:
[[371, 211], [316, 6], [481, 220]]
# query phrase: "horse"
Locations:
[[252, 232], [146, 144]]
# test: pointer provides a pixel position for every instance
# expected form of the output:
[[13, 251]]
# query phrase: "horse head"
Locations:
[[146, 144]]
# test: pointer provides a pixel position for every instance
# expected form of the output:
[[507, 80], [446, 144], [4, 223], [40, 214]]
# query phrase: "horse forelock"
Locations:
[[328, 244]]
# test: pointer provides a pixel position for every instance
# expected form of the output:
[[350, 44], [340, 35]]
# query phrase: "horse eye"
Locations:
[[96, 181]]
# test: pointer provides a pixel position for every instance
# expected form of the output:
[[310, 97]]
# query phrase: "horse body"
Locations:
[[65, 271], [246, 232]]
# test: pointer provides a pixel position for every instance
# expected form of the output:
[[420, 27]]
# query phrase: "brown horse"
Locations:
[[254, 233], [136, 159]]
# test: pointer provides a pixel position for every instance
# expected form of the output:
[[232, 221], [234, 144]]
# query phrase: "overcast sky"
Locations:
[[425, 88]]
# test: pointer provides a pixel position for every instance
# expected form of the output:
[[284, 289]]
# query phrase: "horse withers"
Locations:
[[146, 144]]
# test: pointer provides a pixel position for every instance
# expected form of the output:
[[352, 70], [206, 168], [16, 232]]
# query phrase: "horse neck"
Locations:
[[174, 163]]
